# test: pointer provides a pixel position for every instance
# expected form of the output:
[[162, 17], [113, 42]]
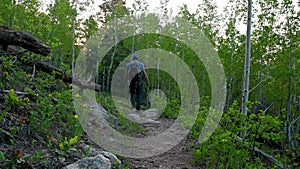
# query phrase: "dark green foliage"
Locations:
[[43, 117]]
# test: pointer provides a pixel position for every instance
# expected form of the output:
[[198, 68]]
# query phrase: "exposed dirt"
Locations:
[[28, 141], [179, 157]]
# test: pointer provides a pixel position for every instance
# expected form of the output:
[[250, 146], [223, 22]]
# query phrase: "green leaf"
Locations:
[[73, 140]]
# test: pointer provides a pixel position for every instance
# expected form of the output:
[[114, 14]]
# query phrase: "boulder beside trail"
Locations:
[[97, 162]]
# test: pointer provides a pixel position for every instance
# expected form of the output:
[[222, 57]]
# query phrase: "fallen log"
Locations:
[[16, 92], [9, 36], [48, 68], [45, 67], [268, 156]]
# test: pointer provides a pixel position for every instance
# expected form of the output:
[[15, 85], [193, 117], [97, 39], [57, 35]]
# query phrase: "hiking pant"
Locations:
[[136, 94]]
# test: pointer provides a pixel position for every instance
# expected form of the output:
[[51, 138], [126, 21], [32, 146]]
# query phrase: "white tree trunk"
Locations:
[[289, 108], [113, 55], [247, 64], [73, 48]]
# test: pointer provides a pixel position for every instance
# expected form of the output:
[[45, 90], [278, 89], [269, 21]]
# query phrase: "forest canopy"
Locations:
[[36, 101]]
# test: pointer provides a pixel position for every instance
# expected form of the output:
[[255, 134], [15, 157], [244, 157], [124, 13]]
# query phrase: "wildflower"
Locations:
[[23, 121], [224, 140], [50, 95], [76, 116], [11, 91], [77, 95], [84, 105], [19, 153], [53, 140]]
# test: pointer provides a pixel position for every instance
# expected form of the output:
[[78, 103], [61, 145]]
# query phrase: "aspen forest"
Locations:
[[57, 55]]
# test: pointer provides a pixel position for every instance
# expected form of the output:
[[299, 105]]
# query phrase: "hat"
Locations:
[[135, 56]]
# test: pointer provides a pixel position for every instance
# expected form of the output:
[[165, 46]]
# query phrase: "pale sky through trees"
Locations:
[[173, 6], [192, 5]]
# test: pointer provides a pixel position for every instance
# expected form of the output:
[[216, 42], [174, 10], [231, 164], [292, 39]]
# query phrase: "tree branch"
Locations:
[[45, 67]]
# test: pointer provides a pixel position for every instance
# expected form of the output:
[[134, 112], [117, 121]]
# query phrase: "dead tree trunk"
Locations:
[[45, 67], [9, 36]]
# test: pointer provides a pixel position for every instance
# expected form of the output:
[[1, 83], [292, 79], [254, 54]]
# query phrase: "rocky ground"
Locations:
[[179, 157], [26, 149]]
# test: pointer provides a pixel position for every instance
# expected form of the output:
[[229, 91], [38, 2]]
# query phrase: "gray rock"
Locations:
[[97, 162], [141, 119], [152, 113], [134, 117], [94, 151], [115, 162]]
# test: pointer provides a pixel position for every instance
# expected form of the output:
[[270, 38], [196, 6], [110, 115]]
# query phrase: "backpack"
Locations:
[[134, 73]]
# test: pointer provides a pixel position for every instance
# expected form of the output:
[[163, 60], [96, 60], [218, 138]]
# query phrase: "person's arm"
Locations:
[[146, 77]]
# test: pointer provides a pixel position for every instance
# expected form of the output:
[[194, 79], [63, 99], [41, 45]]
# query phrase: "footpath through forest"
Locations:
[[179, 157], [151, 124]]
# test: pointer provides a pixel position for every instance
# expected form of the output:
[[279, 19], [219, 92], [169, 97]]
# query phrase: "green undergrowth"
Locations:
[[38, 124], [225, 148], [39, 127]]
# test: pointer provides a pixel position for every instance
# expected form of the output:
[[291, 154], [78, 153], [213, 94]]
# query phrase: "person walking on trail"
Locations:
[[133, 75]]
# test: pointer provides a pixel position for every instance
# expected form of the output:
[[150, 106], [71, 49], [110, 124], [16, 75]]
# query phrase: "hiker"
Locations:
[[133, 75]]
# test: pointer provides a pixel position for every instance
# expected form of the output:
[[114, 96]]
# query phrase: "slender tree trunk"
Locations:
[[73, 48], [232, 48], [103, 78], [259, 94], [298, 122], [158, 75], [97, 72], [289, 106], [296, 115], [175, 65], [268, 58], [133, 41], [113, 55], [247, 64]]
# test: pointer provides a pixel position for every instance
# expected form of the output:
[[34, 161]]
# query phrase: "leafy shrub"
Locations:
[[225, 149]]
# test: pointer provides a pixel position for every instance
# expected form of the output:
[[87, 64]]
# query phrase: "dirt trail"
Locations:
[[179, 157]]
